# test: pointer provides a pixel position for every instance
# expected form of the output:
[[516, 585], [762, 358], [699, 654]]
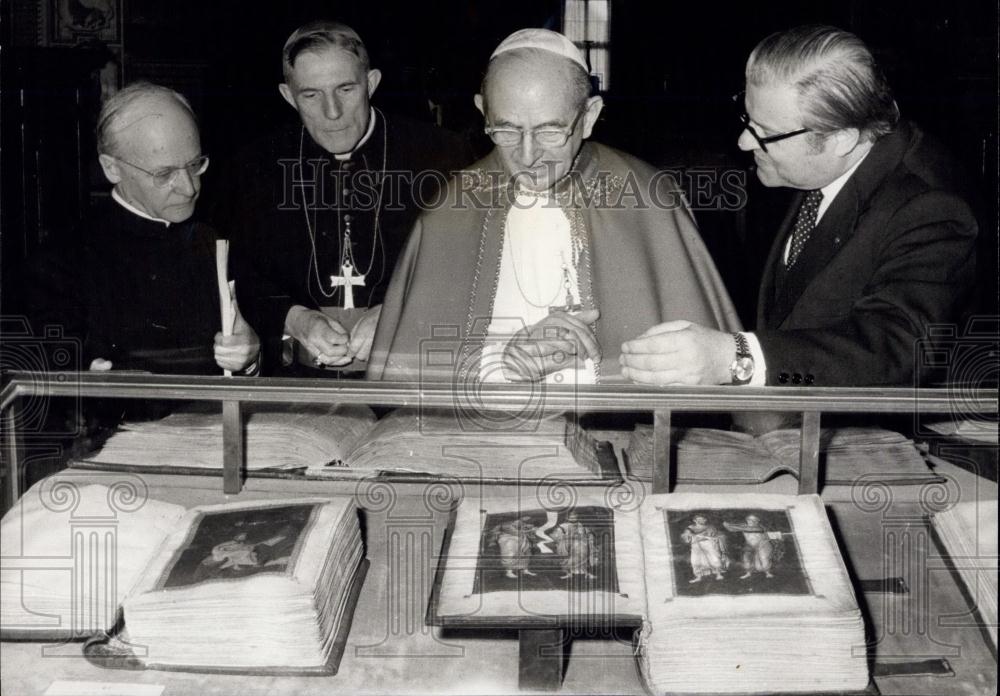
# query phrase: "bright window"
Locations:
[[587, 23]]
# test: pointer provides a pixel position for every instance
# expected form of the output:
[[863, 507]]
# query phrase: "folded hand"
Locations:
[[548, 345]]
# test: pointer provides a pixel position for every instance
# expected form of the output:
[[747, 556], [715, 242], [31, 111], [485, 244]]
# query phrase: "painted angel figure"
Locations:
[[576, 546], [239, 555], [761, 547], [708, 549], [514, 541]]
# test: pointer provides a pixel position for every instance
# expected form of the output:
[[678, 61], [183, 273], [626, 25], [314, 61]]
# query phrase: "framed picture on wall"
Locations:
[[76, 21]]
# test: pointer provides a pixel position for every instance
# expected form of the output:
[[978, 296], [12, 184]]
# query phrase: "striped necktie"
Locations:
[[805, 223]]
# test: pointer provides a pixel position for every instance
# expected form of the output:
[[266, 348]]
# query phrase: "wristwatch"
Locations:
[[741, 369]]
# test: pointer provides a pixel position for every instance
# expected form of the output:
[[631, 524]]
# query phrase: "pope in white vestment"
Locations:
[[549, 253]]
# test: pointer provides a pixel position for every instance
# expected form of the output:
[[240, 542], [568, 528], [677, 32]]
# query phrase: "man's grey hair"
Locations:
[[838, 82], [578, 81], [318, 35], [115, 111]]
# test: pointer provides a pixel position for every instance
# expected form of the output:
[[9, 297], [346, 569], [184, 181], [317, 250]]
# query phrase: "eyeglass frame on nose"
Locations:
[[168, 175], [563, 133], [764, 140]]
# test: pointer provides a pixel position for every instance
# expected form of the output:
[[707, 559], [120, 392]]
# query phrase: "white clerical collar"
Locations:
[[364, 139], [135, 211], [831, 190]]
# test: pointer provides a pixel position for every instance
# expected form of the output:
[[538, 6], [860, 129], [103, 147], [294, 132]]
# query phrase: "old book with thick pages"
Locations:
[[346, 441], [968, 532], [259, 586], [71, 553], [279, 437], [536, 559], [847, 455], [747, 594], [741, 593]]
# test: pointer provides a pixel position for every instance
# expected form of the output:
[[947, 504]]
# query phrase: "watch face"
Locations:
[[743, 369]]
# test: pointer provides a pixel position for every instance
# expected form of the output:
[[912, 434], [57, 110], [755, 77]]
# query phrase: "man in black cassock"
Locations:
[[140, 289], [319, 210]]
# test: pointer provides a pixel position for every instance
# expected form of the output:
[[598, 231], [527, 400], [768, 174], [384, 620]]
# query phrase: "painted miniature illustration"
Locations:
[[576, 546], [735, 552], [513, 539], [762, 548], [708, 549], [239, 543], [572, 549]]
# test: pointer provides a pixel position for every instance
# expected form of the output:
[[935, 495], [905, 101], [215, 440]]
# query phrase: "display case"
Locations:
[[924, 633]]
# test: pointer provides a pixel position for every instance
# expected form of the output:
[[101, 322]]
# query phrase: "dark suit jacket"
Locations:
[[894, 253]]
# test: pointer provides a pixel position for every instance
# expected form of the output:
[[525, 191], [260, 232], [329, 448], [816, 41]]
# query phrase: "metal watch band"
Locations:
[[742, 345]]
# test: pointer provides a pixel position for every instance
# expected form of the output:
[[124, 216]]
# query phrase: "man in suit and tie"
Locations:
[[877, 245]]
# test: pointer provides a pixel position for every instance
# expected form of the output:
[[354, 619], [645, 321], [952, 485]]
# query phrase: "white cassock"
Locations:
[[536, 259]]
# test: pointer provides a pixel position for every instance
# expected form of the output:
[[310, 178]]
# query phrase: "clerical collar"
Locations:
[[135, 211], [831, 190], [364, 139]]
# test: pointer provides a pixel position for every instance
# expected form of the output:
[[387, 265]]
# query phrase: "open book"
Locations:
[[706, 455], [739, 593], [343, 441], [53, 589], [260, 586], [968, 532], [980, 431]]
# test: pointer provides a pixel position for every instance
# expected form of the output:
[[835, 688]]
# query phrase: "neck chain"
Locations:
[[484, 278], [566, 283], [346, 255]]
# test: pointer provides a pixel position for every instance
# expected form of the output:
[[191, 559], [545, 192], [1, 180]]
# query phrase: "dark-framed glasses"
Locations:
[[546, 137], [162, 178], [762, 140]]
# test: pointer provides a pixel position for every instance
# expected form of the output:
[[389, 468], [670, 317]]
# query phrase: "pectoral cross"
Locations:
[[348, 280], [570, 306]]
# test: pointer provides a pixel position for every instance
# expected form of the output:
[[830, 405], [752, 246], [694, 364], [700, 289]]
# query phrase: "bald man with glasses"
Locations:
[[548, 254], [142, 290]]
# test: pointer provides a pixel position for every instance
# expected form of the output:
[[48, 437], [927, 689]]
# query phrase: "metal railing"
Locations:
[[811, 402]]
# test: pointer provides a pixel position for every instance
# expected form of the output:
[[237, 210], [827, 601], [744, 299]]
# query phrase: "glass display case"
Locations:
[[924, 633]]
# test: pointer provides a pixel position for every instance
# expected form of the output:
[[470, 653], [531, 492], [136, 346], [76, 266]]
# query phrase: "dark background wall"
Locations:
[[674, 67]]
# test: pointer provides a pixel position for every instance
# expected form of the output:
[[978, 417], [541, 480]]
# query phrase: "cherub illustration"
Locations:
[[761, 547], [708, 549], [234, 554], [514, 541], [237, 555], [576, 546]]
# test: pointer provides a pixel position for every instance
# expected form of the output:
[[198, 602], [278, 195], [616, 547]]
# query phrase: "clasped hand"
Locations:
[[327, 340], [547, 346]]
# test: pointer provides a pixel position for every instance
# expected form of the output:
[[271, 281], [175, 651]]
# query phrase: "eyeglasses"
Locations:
[[763, 140], [162, 178], [546, 137]]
